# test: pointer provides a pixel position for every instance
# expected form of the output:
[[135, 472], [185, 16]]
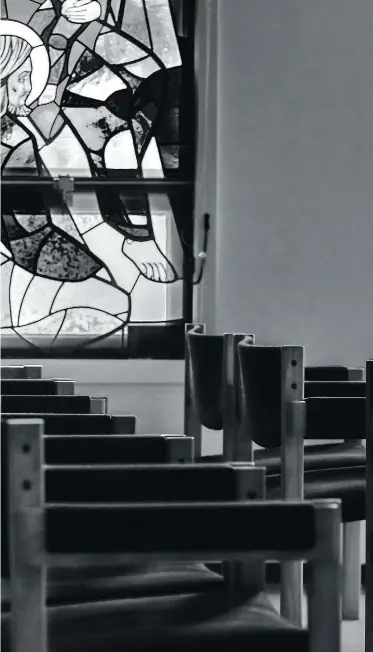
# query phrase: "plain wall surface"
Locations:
[[295, 175]]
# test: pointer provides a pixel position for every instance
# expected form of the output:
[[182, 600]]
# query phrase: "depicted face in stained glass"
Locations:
[[19, 87], [89, 88], [24, 67]]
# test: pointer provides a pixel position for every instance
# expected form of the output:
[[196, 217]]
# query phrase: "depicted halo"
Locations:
[[39, 55]]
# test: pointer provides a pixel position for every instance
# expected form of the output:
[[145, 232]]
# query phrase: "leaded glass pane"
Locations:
[[94, 88]]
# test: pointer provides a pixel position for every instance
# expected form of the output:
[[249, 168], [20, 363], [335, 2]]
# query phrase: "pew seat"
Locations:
[[318, 456], [202, 623], [348, 484], [86, 585]]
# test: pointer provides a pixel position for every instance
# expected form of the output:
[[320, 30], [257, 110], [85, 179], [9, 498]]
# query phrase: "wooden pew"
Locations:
[[110, 450], [21, 371], [83, 449], [216, 401], [73, 450], [64, 534], [273, 382], [210, 391], [369, 528], [39, 387]]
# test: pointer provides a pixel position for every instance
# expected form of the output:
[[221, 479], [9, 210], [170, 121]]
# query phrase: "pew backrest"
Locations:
[[117, 449], [344, 388], [40, 387], [81, 424], [29, 404]]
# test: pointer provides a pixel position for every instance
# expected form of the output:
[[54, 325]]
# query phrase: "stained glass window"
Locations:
[[100, 90]]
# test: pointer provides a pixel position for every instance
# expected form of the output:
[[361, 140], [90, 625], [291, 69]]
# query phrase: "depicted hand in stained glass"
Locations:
[[81, 11]]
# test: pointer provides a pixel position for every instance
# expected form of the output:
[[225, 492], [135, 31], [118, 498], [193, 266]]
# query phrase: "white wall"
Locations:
[[295, 175]]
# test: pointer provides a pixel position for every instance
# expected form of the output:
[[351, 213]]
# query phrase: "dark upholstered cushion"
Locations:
[[320, 456], [348, 484], [202, 623], [79, 585]]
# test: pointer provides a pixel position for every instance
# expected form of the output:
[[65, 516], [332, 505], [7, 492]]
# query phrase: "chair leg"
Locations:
[[351, 586]]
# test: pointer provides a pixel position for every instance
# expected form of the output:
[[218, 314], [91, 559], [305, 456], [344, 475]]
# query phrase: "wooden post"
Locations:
[[237, 446], [324, 587], [33, 371], [180, 450], [351, 533], [351, 580], [246, 577], [369, 509], [26, 490], [293, 424], [192, 424]]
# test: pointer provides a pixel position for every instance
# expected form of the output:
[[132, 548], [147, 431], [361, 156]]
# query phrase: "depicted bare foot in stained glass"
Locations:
[[150, 261]]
